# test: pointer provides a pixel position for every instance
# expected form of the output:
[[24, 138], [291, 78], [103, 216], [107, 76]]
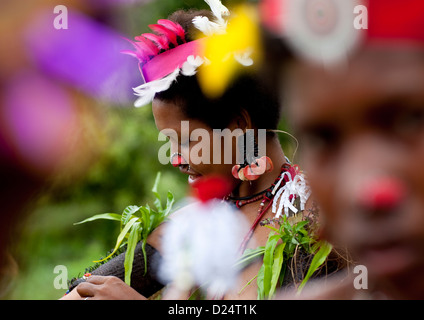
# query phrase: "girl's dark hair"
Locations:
[[248, 92]]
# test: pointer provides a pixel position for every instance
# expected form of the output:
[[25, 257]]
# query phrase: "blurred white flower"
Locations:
[[200, 247]]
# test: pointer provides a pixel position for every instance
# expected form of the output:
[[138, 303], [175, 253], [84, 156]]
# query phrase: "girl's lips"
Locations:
[[186, 169], [193, 178], [192, 175]]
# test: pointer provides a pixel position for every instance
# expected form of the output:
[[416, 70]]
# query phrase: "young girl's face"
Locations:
[[201, 151], [362, 133]]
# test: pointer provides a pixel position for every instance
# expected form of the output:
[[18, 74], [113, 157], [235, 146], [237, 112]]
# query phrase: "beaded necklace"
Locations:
[[266, 196]]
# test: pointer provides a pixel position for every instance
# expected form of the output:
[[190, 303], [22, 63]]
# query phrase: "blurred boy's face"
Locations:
[[362, 133]]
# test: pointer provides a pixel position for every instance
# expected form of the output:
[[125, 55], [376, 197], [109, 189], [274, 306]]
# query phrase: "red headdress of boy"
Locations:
[[328, 30]]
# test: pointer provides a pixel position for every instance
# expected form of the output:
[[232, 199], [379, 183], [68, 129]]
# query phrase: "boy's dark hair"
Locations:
[[248, 92]]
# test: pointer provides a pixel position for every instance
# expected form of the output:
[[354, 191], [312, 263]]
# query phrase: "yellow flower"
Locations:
[[231, 52]]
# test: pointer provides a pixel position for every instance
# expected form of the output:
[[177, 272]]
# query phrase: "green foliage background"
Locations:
[[122, 175]]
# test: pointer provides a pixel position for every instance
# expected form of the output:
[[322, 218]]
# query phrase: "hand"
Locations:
[[106, 288]]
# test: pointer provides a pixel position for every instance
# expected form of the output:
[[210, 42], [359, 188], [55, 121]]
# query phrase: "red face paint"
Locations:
[[176, 160], [382, 193]]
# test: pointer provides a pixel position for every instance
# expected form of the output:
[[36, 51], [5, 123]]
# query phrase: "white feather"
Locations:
[[244, 57], [219, 25], [218, 9], [208, 27], [147, 91], [189, 67]]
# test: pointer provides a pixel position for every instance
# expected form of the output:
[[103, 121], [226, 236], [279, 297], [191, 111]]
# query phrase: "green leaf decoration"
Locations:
[[280, 248], [121, 237], [319, 258], [260, 283], [157, 201], [128, 213], [137, 222], [268, 262], [129, 256], [103, 216], [276, 268], [248, 256], [169, 203]]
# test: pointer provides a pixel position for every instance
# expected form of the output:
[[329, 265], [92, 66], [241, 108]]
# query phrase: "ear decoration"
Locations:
[[254, 170]]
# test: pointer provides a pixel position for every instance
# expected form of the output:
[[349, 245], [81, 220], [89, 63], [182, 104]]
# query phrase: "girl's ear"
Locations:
[[242, 121]]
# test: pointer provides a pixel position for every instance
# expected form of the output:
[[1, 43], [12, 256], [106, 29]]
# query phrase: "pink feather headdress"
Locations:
[[165, 53], [161, 55], [148, 45]]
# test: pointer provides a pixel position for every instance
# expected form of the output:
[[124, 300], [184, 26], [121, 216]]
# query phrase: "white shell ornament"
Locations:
[[321, 30]]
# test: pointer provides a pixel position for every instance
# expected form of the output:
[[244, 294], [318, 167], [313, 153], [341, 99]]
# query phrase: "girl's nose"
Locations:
[[177, 159]]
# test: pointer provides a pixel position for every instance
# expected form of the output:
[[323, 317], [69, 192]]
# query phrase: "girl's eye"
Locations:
[[409, 122]]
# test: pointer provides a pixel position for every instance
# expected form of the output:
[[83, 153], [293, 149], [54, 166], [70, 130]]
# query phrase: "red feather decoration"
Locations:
[[174, 27], [162, 30], [159, 40]]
